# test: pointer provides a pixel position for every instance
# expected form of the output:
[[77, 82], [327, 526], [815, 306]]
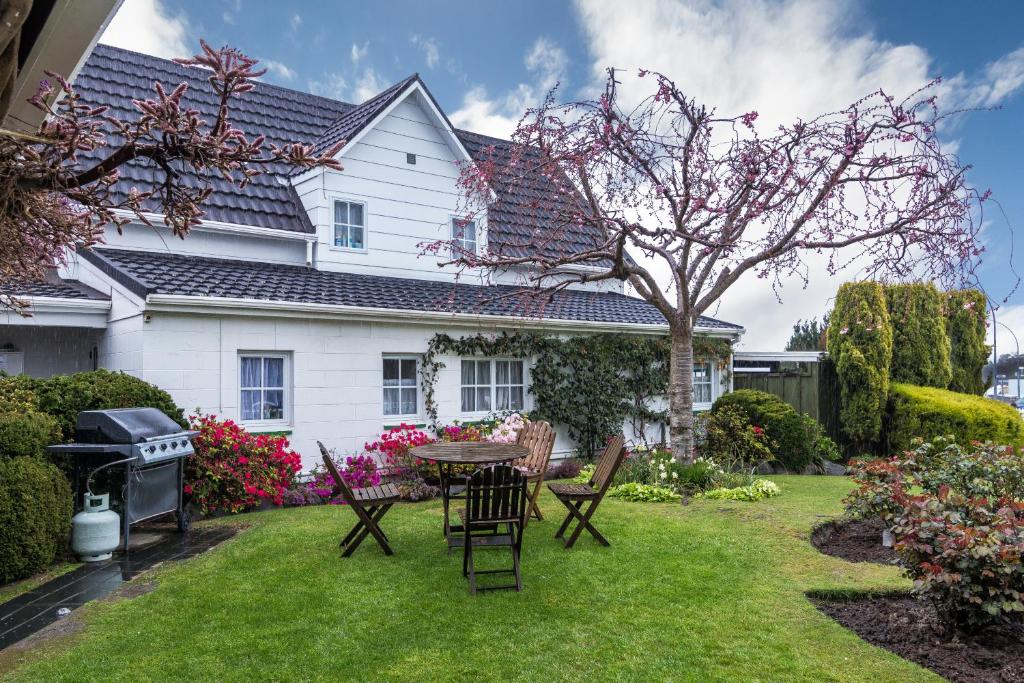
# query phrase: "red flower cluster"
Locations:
[[233, 470], [395, 445], [459, 433]]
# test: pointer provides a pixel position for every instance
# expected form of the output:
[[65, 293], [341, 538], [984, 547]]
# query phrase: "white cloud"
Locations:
[[149, 26], [333, 85], [429, 47], [234, 8], [295, 23], [480, 113], [367, 85], [359, 52], [279, 69], [786, 59]]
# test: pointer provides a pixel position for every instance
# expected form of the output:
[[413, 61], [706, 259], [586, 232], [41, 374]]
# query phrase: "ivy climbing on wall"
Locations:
[[590, 384]]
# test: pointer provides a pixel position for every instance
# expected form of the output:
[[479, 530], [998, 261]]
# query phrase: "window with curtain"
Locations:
[[463, 236], [349, 225], [702, 382], [401, 387], [492, 385], [262, 387]]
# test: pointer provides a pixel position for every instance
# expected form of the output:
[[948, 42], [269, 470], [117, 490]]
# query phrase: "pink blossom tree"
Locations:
[[55, 194], [707, 199]]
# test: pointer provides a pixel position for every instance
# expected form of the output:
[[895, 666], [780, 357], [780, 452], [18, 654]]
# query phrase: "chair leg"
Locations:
[[371, 526], [532, 508], [471, 567], [517, 535], [568, 518], [584, 522]]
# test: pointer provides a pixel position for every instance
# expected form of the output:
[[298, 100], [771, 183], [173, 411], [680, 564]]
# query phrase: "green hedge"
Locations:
[[64, 396], [798, 441], [965, 324], [928, 413], [920, 346], [35, 516]]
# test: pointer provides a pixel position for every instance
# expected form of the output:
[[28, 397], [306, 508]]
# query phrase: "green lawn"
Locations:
[[710, 591]]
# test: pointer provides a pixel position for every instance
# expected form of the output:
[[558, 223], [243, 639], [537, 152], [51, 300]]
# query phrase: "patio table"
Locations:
[[449, 454]]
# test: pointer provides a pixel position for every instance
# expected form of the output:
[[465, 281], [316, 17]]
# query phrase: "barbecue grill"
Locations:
[[150, 447]]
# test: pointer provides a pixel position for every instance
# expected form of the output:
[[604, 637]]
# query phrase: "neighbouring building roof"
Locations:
[[113, 77], [146, 273], [57, 288]]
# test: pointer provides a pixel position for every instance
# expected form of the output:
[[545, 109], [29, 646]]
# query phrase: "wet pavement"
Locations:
[[29, 612]]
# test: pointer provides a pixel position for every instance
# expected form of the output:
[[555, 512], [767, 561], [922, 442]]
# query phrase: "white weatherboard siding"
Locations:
[[202, 241], [335, 376]]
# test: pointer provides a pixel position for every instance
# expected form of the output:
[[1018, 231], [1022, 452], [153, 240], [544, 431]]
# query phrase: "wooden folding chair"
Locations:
[[539, 437], [495, 497], [370, 505], [573, 496]]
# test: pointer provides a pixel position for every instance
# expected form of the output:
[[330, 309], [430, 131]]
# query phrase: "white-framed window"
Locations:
[[401, 386], [349, 225], [702, 382], [263, 387], [493, 384], [463, 237]]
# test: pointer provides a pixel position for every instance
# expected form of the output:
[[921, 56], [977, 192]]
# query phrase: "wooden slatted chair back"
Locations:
[[608, 464], [497, 492], [539, 437], [340, 485]]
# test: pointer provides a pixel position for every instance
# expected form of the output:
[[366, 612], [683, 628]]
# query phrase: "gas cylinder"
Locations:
[[96, 530]]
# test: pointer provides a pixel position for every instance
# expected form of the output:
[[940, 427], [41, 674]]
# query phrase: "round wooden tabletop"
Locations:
[[470, 452]]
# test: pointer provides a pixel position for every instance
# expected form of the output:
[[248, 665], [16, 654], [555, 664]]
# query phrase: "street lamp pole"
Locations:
[[1013, 334]]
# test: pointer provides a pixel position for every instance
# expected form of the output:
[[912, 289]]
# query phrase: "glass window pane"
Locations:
[[355, 214], [391, 372], [468, 375], [408, 371], [516, 400], [517, 371], [501, 372], [408, 401], [469, 231], [273, 372], [501, 398], [341, 212], [273, 405], [457, 229], [468, 403], [355, 238], [250, 405], [483, 399], [391, 401], [340, 236], [250, 372], [483, 372]]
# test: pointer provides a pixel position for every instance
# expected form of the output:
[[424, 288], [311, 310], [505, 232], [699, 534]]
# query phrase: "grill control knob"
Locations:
[[152, 449], [163, 447]]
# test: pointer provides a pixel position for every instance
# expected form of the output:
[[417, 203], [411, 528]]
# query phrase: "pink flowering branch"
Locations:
[[51, 199]]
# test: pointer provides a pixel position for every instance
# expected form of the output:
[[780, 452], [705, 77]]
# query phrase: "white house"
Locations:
[[303, 304]]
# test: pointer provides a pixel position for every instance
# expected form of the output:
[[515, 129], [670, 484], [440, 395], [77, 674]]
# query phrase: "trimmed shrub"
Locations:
[[732, 441], [920, 347], [64, 396], [795, 440], [35, 516], [860, 344], [965, 325], [928, 413], [26, 433]]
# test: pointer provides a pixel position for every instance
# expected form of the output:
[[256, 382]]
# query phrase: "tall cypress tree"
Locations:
[[860, 344], [920, 346], [965, 324]]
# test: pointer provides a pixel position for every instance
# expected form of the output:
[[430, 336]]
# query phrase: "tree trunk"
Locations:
[[680, 392]]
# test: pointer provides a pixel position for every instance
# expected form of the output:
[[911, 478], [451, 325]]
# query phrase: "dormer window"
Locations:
[[463, 237], [349, 225]]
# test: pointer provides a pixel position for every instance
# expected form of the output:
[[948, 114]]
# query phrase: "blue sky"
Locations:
[[486, 61]]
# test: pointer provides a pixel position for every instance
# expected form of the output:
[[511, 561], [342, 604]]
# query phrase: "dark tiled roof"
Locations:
[[148, 273], [355, 119], [113, 77], [53, 288]]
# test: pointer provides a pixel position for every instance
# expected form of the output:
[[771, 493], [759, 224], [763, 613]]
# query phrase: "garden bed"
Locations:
[[853, 541], [910, 629]]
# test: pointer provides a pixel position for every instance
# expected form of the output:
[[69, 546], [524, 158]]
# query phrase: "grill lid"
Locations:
[[123, 425]]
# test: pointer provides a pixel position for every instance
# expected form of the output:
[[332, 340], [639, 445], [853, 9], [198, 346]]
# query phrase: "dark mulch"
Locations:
[[910, 629], [853, 540]]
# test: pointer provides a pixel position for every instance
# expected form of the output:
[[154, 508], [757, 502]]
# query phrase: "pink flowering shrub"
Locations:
[[233, 470], [395, 445], [358, 471], [459, 433], [507, 431]]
